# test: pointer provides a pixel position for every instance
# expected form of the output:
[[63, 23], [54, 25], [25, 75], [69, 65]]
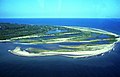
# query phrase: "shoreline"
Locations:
[[78, 28], [92, 30], [75, 54], [78, 54]]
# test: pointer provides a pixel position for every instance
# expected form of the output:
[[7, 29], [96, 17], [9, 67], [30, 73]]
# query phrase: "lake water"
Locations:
[[107, 65]]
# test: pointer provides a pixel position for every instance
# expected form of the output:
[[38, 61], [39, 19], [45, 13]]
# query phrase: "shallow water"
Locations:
[[55, 31], [43, 37], [96, 36]]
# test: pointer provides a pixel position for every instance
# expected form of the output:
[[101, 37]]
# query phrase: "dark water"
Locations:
[[107, 65]]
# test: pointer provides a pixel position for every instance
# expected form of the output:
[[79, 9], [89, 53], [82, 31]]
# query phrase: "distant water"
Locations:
[[107, 65]]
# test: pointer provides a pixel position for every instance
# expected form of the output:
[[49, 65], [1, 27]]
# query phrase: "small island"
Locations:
[[48, 40]]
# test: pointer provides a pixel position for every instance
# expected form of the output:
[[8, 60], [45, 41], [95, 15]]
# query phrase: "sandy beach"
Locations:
[[75, 54]]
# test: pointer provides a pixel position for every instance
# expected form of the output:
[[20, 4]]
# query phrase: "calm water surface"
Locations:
[[107, 65]]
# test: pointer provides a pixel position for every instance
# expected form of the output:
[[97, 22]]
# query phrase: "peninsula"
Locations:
[[48, 40]]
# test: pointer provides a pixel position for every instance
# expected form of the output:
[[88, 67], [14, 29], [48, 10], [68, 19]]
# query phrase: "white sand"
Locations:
[[77, 54], [92, 30], [4, 40]]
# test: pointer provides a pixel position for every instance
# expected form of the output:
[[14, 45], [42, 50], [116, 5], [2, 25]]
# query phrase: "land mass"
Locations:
[[48, 40]]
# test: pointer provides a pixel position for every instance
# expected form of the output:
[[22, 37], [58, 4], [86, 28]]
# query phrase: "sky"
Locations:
[[59, 9]]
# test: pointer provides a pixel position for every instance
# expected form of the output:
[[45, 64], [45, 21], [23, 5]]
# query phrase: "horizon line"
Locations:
[[57, 18]]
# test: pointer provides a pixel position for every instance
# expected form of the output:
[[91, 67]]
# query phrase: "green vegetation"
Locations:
[[89, 39], [36, 50]]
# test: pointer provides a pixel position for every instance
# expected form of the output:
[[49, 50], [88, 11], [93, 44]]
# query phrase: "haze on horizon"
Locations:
[[59, 9]]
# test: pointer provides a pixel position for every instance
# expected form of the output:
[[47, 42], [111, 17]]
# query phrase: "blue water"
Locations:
[[55, 31], [107, 65]]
